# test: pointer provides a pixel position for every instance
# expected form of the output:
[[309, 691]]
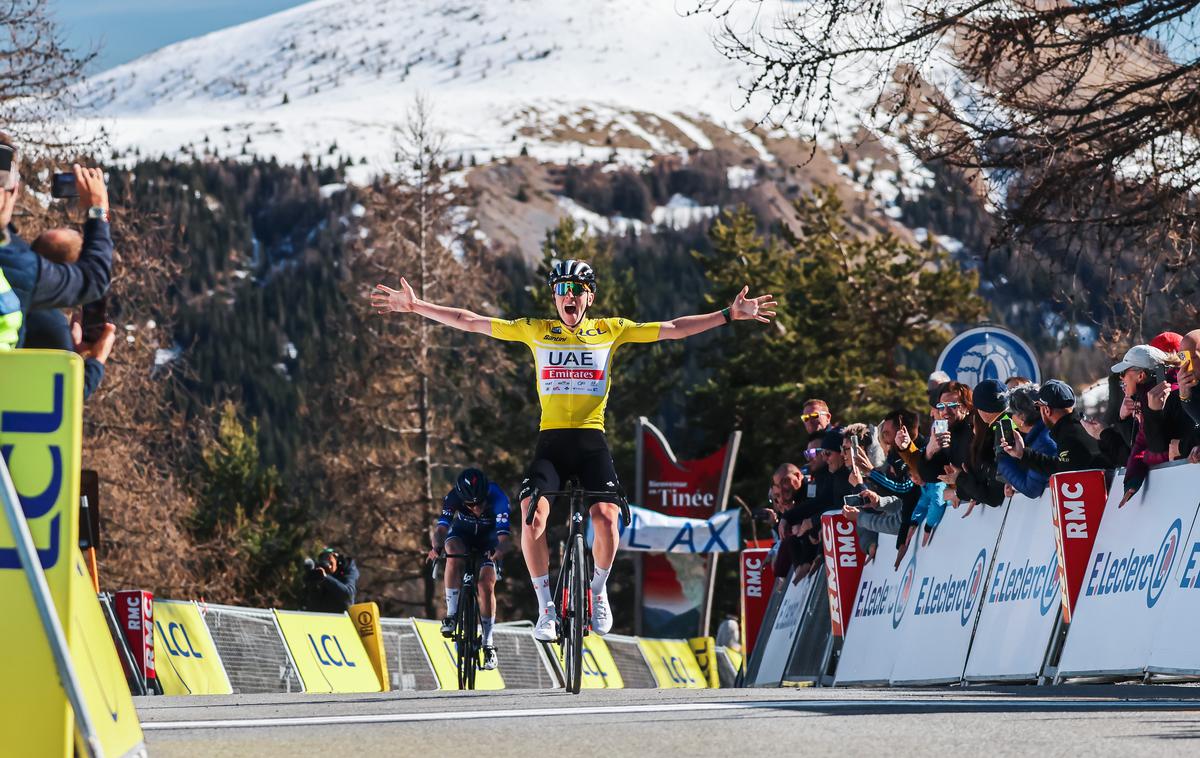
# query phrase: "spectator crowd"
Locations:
[[978, 446]]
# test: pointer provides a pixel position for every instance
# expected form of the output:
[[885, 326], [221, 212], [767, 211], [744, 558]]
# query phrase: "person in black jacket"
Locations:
[[331, 582], [831, 483], [1077, 450], [973, 477]]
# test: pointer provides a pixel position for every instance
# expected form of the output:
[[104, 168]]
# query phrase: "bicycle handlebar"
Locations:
[[611, 496]]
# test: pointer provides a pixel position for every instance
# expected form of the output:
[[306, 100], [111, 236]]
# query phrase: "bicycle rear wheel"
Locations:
[[575, 616]]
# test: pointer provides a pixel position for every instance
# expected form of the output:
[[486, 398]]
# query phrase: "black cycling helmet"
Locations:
[[472, 486], [572, 270]]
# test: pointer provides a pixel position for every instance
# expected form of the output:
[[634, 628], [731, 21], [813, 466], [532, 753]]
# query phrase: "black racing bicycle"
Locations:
[[468, 642], [572, 590]]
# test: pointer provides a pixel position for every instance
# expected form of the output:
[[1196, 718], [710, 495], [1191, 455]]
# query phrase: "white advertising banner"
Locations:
[[1174, 649], [870, 648], [1021, 599], [1134, 562], [936, 616], [782, 634], [658, 532]]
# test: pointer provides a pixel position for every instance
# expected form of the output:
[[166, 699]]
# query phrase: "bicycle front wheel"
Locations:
[[467, 649], [575, 618]]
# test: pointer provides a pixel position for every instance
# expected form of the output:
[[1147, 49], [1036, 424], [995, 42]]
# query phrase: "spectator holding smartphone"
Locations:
[[1077, 450], [973, 477], [1022, 402], [41, 283]]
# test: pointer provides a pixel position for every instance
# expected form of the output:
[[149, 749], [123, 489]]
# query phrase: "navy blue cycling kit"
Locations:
[[480, 532]]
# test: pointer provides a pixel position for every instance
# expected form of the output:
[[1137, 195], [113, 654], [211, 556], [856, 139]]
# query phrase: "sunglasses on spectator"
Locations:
[[810, 416], [570, 288], [946, 406]]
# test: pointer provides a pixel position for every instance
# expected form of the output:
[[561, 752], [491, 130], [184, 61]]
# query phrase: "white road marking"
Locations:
[[934, 705]]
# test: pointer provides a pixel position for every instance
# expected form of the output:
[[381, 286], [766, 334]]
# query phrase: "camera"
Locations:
[[63, 186], [857, 501]]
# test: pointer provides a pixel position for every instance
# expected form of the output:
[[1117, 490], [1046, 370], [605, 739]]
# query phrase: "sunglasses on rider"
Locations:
[[570, 288], [946, 406]]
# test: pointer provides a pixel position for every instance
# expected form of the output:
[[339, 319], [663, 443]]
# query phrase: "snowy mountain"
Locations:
[[558, 79]]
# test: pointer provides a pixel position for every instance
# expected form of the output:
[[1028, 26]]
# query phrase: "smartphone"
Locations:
[[1160, 373], [856, 501], [1008, 431], [95, 316], [1185, 360], [940, 426], [63, 186], [853, 444], [8, 173]]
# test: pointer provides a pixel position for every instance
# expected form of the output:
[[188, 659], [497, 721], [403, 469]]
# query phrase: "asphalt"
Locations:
[[1092, 720]]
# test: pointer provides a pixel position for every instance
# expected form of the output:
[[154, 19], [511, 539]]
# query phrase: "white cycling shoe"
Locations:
[[602, 620], [546, 630]]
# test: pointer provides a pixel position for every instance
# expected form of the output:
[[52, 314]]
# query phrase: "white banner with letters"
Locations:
[[869, 650], [781, 636], [655, 532], [1135, 560], [1021, 600], [1174, 649], [936, 617]]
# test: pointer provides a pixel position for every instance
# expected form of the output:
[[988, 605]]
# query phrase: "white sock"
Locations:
[[451, 602], [599, 580], [541, 585], [487, 623]]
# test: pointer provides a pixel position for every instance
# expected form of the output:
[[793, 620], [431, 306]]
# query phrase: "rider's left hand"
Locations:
[[758, 308]]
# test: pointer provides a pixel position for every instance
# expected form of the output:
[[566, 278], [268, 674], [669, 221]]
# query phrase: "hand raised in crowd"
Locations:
[[1016, 449], [92, 191], [1194, 456], [1009, 490], [871, 552], [851, 513], [1092, 427], [870, 498], [1156, 398], [1126, 498], [862, 461], [903, 439], [1128, 407], [8, 203], [1187, 380], [951, 498], [855, 477], [758, 308], [943, 440], [970, 507], [950, 478], [386, 300], [933, 447], [101, 348]]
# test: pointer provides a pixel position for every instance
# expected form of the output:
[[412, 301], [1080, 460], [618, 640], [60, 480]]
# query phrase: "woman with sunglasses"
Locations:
[[965, 457], [573, 360]]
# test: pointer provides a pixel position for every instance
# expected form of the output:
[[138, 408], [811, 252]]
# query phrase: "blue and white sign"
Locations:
[[656, 532], [988, 352]]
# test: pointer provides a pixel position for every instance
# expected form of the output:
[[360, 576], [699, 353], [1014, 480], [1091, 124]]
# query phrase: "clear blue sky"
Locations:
[[126, 29]]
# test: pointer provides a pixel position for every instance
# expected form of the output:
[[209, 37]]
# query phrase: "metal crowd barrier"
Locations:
[[631, 662], [252, 649], [408, 664]]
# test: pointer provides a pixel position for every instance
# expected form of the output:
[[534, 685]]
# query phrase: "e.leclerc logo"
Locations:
[[906, 585], [973, 586], [1112, 574], [1014, 582]]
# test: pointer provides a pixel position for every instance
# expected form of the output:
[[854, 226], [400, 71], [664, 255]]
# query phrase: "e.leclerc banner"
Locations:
[[1079, 500], [1138, 550], [843, 567], [673, 586]]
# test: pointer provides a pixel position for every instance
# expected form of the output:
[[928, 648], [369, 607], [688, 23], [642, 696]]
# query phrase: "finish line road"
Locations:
[[1093, 720]]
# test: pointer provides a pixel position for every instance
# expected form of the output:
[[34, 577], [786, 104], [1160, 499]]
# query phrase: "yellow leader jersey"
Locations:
[[573, 368]]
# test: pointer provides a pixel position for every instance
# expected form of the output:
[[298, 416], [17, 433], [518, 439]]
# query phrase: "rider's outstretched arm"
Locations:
[[760, 308], [404, 300]]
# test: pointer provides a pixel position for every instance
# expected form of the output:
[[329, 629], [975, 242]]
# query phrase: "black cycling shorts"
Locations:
[[481, 541], [565, 453]]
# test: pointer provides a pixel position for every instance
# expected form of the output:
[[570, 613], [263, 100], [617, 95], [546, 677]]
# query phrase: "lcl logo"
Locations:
[[45, 503]]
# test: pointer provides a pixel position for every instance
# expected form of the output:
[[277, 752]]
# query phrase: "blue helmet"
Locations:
[[471, 486]]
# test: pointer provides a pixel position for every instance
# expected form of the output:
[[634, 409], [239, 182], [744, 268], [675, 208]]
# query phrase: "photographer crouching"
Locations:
[[330, 583]]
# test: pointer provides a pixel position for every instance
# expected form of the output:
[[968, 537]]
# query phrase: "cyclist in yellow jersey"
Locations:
[[573, 360]]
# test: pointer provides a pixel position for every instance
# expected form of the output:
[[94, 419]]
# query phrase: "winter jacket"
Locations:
[[1077, 450], [1029, 483], [334, 593], [49, 329]]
